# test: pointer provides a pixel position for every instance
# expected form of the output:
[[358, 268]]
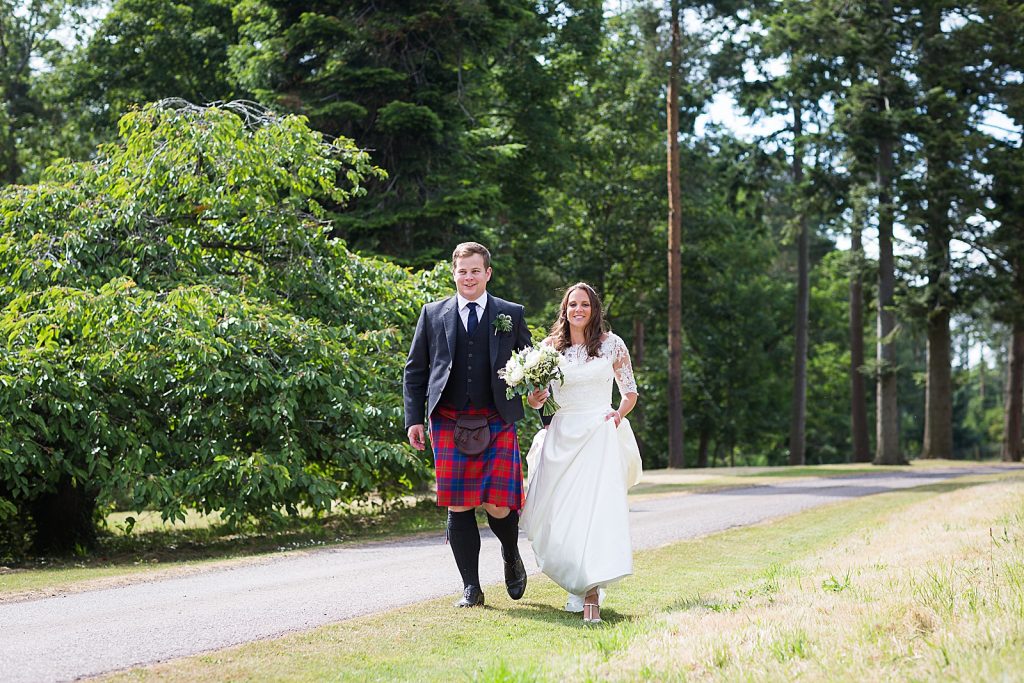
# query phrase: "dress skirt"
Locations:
[[576, 513]]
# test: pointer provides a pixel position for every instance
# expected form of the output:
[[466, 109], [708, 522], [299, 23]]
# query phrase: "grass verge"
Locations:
[[829, 594]]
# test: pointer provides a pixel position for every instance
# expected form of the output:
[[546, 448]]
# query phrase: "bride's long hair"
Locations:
[[560, 336]]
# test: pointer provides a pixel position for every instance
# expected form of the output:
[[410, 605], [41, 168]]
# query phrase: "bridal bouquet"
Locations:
[[530, 369]]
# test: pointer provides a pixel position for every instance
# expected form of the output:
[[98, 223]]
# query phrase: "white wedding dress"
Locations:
[[580, 468]]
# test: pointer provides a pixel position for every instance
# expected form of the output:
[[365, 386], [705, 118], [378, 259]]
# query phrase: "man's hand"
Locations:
[[417, 439]]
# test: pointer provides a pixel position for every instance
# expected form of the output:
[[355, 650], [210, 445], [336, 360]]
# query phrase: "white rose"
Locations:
[[532, 359], [515, 375]]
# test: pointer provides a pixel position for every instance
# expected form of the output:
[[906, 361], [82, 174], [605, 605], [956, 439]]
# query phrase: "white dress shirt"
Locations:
[[481, 303]]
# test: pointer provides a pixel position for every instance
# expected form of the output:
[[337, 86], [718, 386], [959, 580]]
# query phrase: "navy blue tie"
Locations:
[[473, 320]]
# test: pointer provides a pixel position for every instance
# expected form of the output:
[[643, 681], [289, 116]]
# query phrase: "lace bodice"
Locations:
[[588, 380]]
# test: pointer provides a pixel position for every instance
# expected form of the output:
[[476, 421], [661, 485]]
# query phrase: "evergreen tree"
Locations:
[[441, 95]]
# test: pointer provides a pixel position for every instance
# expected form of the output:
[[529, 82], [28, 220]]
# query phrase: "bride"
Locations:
[[580, 467]]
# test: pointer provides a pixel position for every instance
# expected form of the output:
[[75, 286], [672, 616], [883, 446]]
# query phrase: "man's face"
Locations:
[[471, 277]]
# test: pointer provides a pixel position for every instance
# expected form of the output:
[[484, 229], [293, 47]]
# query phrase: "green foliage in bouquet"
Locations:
[[529, 369], [177, 329]]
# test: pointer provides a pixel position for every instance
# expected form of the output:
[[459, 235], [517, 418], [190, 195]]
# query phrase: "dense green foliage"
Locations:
[[179, 317], [181, 332], [452, 99]]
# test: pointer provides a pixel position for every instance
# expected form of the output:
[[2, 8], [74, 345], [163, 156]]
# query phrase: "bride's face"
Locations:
[[577, 309]]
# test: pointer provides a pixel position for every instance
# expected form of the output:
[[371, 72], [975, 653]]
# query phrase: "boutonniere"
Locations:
[[502, 323]]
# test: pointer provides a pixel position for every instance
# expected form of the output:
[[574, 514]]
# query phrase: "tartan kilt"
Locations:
[[495, 476]]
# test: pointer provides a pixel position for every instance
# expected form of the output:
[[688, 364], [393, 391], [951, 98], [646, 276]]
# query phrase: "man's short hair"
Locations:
[[468, 249]]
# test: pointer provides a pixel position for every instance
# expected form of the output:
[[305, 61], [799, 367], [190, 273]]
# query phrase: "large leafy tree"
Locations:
[[180, 328]]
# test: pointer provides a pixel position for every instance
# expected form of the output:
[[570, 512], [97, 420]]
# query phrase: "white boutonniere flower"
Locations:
[[502, 323]]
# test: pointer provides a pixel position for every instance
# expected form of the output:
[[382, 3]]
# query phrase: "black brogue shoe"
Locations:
[[472, 596], [515, 577]]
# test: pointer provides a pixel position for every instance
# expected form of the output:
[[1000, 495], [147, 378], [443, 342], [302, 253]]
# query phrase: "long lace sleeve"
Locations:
[[623, 365]]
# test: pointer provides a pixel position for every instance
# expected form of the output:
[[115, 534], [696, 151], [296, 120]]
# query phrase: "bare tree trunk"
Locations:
[[1011, 450], [982, 377], [858, 392], [939, 155], [676, 457], [798, 422], [887, 423], [638, 415], [702, 447], [938, 411], [639, 341]]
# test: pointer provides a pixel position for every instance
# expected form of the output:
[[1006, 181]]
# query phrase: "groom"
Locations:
[[459, 345]]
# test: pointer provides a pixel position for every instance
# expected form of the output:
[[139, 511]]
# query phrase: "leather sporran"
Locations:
[[472, 434]]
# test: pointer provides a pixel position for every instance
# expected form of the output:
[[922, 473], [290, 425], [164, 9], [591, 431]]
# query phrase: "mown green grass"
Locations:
[[535, 640], [719, 478]]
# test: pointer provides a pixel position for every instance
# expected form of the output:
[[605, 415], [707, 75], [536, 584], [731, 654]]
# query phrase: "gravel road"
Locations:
[[87, 633]]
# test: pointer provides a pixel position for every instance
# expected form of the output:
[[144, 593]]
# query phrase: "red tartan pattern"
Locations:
[[495, 476]]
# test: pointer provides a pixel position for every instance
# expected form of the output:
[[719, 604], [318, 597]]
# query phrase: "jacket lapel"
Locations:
[[492, 339], [450, 315]]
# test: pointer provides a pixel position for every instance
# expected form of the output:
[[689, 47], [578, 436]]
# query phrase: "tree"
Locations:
[[450, 99], [953, 78], [1003, 244], [860, 448], [675, 227], [871, 120], [28, 45], [799, 36], [143, 51], [178, 327]]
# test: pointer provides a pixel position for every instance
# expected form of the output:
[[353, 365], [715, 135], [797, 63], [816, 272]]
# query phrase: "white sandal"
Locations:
[[592, 610], [574, 602]]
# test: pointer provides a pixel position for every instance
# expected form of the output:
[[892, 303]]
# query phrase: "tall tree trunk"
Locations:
[[675, 284], [639, 341], [858, 392], [940, 155], [702, 447], [798, 422], [982, 377], [938, 411], [887, 423], [638, 415], [1011, 450]]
